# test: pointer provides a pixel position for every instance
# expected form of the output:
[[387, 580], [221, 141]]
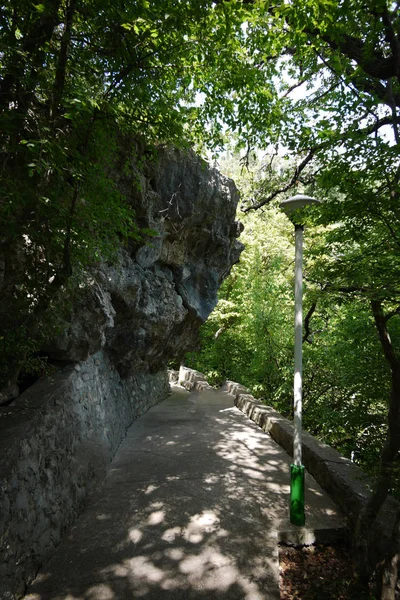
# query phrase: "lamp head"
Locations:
[[293, 207]]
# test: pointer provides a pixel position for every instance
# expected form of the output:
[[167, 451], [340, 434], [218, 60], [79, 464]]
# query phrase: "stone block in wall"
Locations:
[[202, 386], [189, 378], [234, 388], [56, 442], [173, 376]]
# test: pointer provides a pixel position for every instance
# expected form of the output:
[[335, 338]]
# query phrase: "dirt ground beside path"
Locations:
[[318, 572]]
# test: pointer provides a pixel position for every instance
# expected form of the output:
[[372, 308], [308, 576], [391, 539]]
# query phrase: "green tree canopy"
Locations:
[[316, 82]]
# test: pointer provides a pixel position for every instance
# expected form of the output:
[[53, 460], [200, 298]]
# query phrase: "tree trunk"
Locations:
[[62, 59], [387, 574], [369, 512], [36, 35]]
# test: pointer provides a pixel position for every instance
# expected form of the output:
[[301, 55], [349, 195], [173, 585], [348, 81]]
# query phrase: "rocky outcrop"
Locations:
[[147, 308]]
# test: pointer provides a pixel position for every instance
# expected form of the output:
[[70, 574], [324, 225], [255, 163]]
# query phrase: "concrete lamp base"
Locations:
[[297, 476]]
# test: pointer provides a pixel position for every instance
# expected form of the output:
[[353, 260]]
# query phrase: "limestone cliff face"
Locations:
[[147, 309]]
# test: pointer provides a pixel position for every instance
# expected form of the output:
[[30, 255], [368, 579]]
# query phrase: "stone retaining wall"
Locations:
[[56, 442], [192, 380]]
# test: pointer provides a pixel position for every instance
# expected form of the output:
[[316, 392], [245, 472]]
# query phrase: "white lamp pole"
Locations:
[[298, 344], [292, 207]]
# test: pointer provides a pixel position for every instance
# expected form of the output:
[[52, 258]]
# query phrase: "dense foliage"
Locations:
[[79, 80], [344, 59], [313, 81], [249, 336]]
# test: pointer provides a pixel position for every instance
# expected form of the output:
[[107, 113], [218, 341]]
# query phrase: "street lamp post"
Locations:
[[292, 207]]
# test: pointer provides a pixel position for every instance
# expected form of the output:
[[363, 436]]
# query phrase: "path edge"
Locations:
[[348, 486]]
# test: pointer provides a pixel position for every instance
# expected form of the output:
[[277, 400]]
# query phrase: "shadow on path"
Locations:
[[190, 509]]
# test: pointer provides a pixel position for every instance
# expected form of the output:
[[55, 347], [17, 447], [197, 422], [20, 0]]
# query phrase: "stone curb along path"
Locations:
[[346, 483], [281, 431], [190, 509]]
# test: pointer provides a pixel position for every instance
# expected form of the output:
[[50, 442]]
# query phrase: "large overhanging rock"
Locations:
[[147, 308]]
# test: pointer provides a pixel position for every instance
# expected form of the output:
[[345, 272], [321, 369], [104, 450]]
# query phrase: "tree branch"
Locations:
[[391, 37], [384, 337], [376, 126], [392, 314], [375, 65], [291, 183], [307, 331], [62, 59], [32, 46], [294, 87]]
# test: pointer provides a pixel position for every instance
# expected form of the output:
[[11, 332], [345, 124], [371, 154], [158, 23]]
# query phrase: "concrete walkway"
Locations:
[[190, 509]]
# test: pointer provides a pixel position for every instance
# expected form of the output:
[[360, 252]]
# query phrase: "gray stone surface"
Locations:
[[191, 379], [191, 508], [56, 442], [147, 309]]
